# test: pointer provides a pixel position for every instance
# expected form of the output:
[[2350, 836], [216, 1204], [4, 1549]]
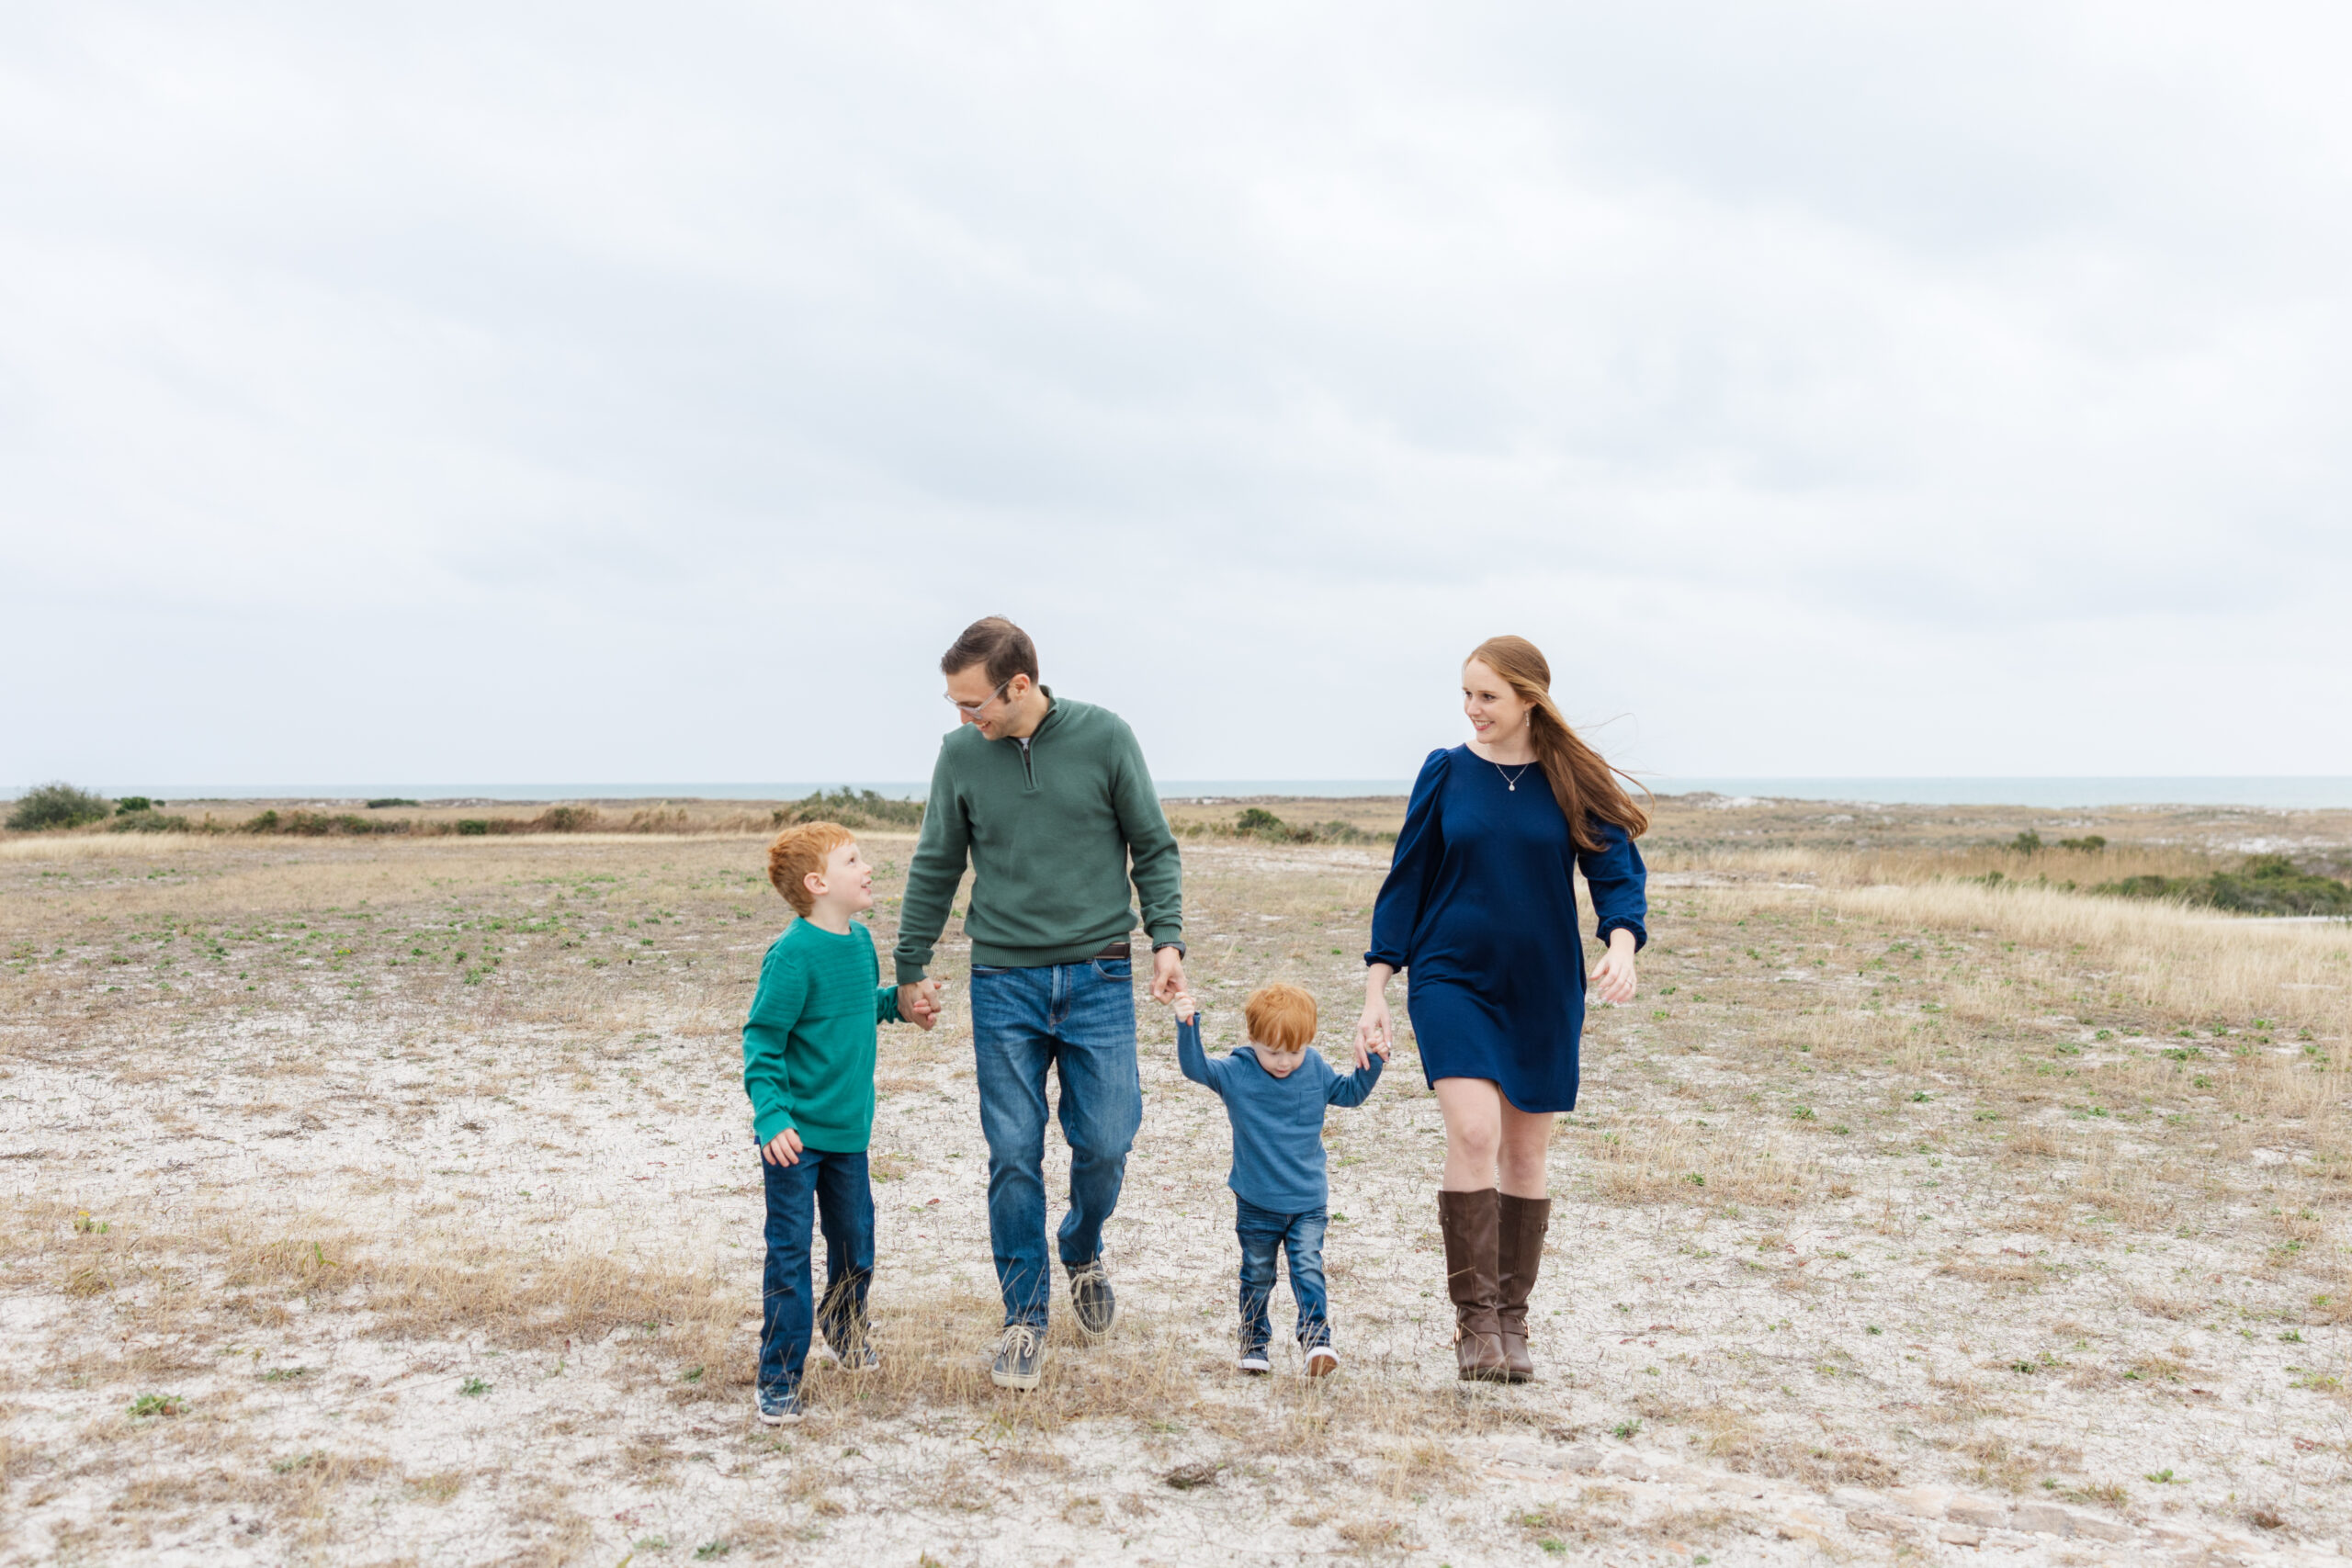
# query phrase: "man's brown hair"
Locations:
[[799, 850], [992, 641], [1281, 1018]]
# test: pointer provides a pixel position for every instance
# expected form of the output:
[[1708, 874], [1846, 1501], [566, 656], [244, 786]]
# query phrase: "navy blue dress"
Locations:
[[1480, 912]]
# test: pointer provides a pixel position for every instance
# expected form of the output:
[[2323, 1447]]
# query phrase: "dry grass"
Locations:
[[422, 1209]]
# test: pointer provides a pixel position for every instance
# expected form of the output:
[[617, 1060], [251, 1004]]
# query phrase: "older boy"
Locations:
[[808, 1049], [1275, 1090]]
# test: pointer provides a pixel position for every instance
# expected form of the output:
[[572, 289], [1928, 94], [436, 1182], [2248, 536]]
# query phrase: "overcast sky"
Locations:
[[579, 393]]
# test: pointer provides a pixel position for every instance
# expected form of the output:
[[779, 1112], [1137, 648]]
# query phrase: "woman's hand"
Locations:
[[1613, 977], [1373, 1028]]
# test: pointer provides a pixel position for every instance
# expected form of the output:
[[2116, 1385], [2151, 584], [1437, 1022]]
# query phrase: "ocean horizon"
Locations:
[[2285, 792]]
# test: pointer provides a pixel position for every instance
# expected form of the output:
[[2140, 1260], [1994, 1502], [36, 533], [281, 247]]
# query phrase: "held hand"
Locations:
[[782, 1149], [1167, 974], [1372, 1030], [1184, 1008], [1613, 977], [924, 1014]]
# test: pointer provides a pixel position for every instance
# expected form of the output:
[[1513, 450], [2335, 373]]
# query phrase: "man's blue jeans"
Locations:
[[1300, 1236], [844, 1199], [1078, 1019]]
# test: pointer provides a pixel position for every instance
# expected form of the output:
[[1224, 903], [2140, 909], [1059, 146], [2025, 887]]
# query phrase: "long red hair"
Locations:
[[1585, 786]]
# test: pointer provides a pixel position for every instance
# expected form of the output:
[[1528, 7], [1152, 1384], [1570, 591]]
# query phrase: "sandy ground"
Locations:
[[394, 1203]]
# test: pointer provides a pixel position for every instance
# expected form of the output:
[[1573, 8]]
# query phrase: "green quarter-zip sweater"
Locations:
[[809, 1044], [1049, 828]]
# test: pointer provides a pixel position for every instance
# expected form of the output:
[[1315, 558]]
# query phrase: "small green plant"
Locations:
[[1802, 1113], [1873, 1328], [293, 1463], [148, 1404], [88, 1226], [709, 1549], [2161, 1477], [473, 1387], [692, 1374], [2292, 1337], [1920, 1096], [57, 805], [285, 1374], [1623, 1431]]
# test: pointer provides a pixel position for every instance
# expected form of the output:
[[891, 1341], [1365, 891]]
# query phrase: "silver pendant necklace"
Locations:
[[1511, 779]]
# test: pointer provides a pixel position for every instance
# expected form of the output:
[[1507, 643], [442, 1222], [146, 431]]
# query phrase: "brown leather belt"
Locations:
[[1116, 950]]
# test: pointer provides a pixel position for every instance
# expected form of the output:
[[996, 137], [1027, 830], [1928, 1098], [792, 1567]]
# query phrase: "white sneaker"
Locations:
[[1322, 1361], [1254, 1362]]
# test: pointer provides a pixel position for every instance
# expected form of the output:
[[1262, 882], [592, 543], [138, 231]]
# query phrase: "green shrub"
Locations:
[[2090, 843], [566, 820], [57, 805], [387, 800], [148, 820], [2026, 843], [472, 827], [1257, 822], [2264, 885], [316, 824], [135, 803], [851, 808]]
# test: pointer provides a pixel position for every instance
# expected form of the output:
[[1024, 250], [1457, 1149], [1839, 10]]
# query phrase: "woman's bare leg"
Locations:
[[1473, 1109], [1526, 1136]]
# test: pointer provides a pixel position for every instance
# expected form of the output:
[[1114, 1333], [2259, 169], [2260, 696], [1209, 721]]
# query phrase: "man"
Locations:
[[1050, 800]]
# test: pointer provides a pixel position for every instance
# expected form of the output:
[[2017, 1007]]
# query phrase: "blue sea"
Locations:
[[2276, 791]]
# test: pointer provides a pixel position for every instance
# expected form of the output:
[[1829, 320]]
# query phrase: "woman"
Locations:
[[1480, 905]]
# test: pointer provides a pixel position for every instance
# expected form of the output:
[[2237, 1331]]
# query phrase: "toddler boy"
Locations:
[[808, 1049], [1275, 1090]]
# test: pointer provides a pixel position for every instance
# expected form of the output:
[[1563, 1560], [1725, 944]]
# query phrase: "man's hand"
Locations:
[[918, 1003], [1613, 977], [782, 1149], [1184, 1009], [1167, 974]]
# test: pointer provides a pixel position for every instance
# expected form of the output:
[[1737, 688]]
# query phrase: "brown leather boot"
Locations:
[[1467, 1220], [1519, 1226]]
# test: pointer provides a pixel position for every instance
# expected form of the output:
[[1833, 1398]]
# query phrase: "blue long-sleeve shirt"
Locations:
[[1278, 1160]]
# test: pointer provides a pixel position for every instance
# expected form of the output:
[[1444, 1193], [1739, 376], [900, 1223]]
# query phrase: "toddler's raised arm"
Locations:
[[1353, 1089], [1189, 1055]]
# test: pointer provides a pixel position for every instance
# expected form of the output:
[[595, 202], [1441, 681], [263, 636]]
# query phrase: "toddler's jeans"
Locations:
[[1300, 1238]]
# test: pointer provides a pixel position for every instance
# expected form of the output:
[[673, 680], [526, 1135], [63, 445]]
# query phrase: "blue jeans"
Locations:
[[1300, 1236], [1078, 1019], [844, 1201]]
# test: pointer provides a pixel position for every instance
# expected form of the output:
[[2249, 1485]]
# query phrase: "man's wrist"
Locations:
[[1172, 942]]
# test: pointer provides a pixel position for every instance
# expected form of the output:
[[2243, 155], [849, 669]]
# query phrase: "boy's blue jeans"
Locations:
[[844, 1201], [1078, 1019], [1300, 1236]]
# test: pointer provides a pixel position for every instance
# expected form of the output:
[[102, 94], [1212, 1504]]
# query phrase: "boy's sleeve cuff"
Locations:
[[763, 1132]]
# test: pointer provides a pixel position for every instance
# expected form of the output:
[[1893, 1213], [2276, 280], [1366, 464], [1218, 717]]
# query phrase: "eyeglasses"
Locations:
[[972, 710]]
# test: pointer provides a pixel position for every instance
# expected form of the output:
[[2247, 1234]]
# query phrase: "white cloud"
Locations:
[[578, 393]]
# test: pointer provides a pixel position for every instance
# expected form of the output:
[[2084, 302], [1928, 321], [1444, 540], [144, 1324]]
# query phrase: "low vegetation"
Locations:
[[427, 1147]]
